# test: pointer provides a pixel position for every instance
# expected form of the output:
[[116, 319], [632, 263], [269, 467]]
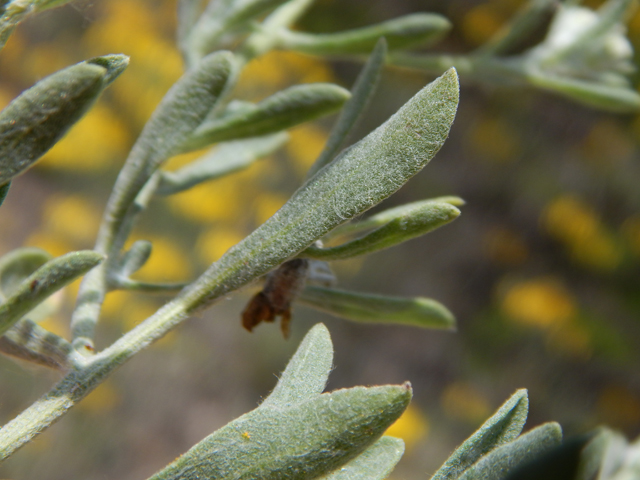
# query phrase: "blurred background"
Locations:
[[541, 270]]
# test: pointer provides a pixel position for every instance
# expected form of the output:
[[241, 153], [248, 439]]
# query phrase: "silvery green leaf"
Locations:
[[29, 342], [46, 280], [4, 190], [17, 265], [361, 93], [146, 287], [302, 441], [595, 451], [504, 426], [187, 16], [382, 309], [135, 257], [402, 32], [297, 432], [375, 463], [307, 372], [412, 223], [285, 109], [502, 460], [226, 158], [358, 179], [182, 109], [33, 122], [386, 216], [619, 99]]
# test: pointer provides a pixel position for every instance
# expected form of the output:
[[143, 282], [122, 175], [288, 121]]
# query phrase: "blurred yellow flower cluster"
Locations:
[[573, 222], [545, 304]]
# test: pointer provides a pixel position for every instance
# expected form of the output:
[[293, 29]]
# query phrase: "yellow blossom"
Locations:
[[412, 427], [462, 401]]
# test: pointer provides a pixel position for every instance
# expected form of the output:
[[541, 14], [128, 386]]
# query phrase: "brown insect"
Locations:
[[282, 286]]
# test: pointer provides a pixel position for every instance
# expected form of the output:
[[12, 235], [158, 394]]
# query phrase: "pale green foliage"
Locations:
[[369, 308], [32, 123], [328, 430]]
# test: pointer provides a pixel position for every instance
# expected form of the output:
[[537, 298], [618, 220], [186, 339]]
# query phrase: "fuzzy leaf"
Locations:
[[358, 179], [14, 12], [135, 257], [375, 463], [29, 342], [386, 216], [503, 427], [17, 265], [289, 107], [307, 372], [361, 93], [383, 309], [296, 432], [182, 109], [501, 461], [33, 122], [413, 223], [402, 32], [4, 190], [49, 278], [593, 454], [227, 158]]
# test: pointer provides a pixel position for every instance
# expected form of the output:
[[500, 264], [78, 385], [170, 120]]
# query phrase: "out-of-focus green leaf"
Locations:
[[14, 11], [296, 432], [135, 257], [17, 265], [361, 93], [33, 122], [559, 463], [49, 278], [594, 452], [504, 426], [30, 342], [618, 99], [4, 190], [375, 463], [382, 309], [226, 158], [402, 32], [360, 178], [285, 109], [413, 223], [307, 372], [386, 216], [501, 461]]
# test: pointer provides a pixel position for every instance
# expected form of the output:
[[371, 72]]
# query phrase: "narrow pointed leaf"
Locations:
[[402, 32], [114, 64], [136, 257], [375, 463], [17, 265], [146, 287], [504, 426], [33, 122], [360, 178], [307, 372], [386, 216], [593, 454], [382, 309], [4, 190], [45, 281], [30, 342], [285, 109], [182, 109], [361, 93], [413, 223], [227, 158], [14, 12], [303, 441], [501, 461], [617, 99]]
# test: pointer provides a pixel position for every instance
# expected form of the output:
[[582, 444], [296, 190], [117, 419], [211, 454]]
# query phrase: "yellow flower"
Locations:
[[412, 426], [495, 140], [304, 146], [541, 303], [213, 243], [72, 218], [168, 263]]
